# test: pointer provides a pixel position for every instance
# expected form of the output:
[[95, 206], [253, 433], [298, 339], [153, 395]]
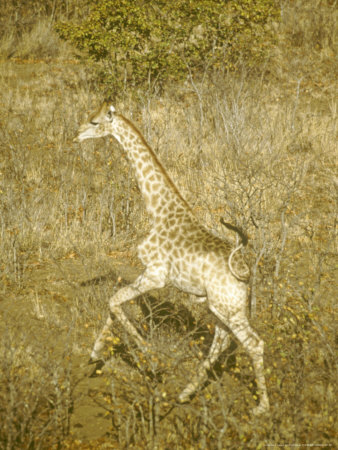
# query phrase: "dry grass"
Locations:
[[37, 43], [260, 152]]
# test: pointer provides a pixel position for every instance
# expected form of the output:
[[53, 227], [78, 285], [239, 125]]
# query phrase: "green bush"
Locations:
[[141, 41]]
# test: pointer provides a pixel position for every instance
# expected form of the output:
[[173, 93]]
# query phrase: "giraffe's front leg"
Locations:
[[96, 354], [147, 281], [123, 295]]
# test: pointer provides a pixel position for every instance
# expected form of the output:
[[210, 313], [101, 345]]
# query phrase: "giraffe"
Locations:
[[181, 252]]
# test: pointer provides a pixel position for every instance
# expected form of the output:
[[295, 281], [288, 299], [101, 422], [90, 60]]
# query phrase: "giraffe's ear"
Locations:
[[112, 109]]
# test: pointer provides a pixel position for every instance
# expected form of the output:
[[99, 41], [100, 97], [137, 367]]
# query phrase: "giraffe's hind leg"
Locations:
[[220, 343], [253, 345]]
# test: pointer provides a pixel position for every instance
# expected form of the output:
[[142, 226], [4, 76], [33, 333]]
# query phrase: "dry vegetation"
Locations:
[[258, 150]]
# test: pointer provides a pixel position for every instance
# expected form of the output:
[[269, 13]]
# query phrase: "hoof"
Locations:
[[94, 361], [260, 410], [188, 392], [97, 369], [183, 398]]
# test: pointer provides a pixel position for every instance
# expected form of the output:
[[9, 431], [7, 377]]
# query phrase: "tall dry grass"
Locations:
[[259, 151]]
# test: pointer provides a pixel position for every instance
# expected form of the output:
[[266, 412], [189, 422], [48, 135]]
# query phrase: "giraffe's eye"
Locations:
[[109, 114]]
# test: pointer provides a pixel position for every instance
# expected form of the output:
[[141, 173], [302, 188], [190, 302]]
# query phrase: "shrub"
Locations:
[[140, 41]]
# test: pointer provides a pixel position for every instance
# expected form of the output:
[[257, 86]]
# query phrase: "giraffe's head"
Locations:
[[99, 124]]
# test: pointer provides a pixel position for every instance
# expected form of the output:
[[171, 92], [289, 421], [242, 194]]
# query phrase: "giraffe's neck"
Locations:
[[160, 193]]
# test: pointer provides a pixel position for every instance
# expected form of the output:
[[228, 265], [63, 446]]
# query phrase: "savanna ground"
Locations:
[[257, 149]]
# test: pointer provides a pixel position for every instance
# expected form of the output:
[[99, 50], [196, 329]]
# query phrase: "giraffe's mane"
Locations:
[[156, 161]]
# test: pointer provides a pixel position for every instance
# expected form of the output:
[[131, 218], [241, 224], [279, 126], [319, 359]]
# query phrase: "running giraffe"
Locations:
[[181, 252]]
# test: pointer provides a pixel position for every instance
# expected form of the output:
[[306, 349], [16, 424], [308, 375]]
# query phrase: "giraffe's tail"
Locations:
[[244, 240], [240, 276], [238, 230]]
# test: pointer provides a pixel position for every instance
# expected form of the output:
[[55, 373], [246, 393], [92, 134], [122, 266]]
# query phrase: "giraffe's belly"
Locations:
[[189, 288], [187, 281]]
